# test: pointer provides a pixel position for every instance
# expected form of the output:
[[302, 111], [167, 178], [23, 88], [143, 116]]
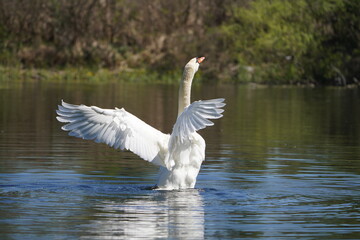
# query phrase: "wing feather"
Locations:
[[196, 116], [114, 127]]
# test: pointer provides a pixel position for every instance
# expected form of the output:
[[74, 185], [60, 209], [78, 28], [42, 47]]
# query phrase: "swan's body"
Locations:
[[179, 155]]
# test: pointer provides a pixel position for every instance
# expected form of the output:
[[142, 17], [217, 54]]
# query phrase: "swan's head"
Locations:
[[194, 63]]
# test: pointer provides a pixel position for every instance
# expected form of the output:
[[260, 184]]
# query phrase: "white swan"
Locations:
[[179, 155]]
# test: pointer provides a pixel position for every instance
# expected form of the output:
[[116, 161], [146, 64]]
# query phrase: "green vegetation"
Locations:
[[297, 41], [263, 41], [86, 74]]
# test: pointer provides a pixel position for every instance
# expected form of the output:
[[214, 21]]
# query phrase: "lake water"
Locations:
[[283, 163]]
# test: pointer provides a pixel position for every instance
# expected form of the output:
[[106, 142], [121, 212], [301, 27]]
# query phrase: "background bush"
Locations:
[[265, 41]]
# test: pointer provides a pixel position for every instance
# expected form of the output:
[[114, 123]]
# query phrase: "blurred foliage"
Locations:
[[296, 41], [264, 41]]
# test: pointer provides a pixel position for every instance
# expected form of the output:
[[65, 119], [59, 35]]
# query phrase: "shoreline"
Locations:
[[93, 75]]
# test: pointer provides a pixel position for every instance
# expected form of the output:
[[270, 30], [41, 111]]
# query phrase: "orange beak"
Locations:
[[200, 59]]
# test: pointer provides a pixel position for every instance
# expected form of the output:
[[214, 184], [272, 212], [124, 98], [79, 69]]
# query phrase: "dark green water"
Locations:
[[283, 163]]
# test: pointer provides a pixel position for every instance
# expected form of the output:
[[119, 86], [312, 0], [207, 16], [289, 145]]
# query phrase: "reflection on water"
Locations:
[[283, 163], [176, 214]]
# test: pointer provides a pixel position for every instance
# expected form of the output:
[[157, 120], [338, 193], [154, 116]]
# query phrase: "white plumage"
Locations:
[[179, 155]]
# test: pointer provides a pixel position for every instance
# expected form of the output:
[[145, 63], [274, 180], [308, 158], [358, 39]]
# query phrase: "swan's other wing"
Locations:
[[196, 116], [115, 127]]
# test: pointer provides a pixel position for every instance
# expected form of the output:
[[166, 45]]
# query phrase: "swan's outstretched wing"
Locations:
[[196, 116], [115, 127]]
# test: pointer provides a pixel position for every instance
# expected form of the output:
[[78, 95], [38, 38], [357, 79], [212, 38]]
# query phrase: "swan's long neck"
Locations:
[[185, 89]]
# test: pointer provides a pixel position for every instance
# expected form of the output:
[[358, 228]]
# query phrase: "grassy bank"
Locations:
[[84, 74], [104, 75]]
